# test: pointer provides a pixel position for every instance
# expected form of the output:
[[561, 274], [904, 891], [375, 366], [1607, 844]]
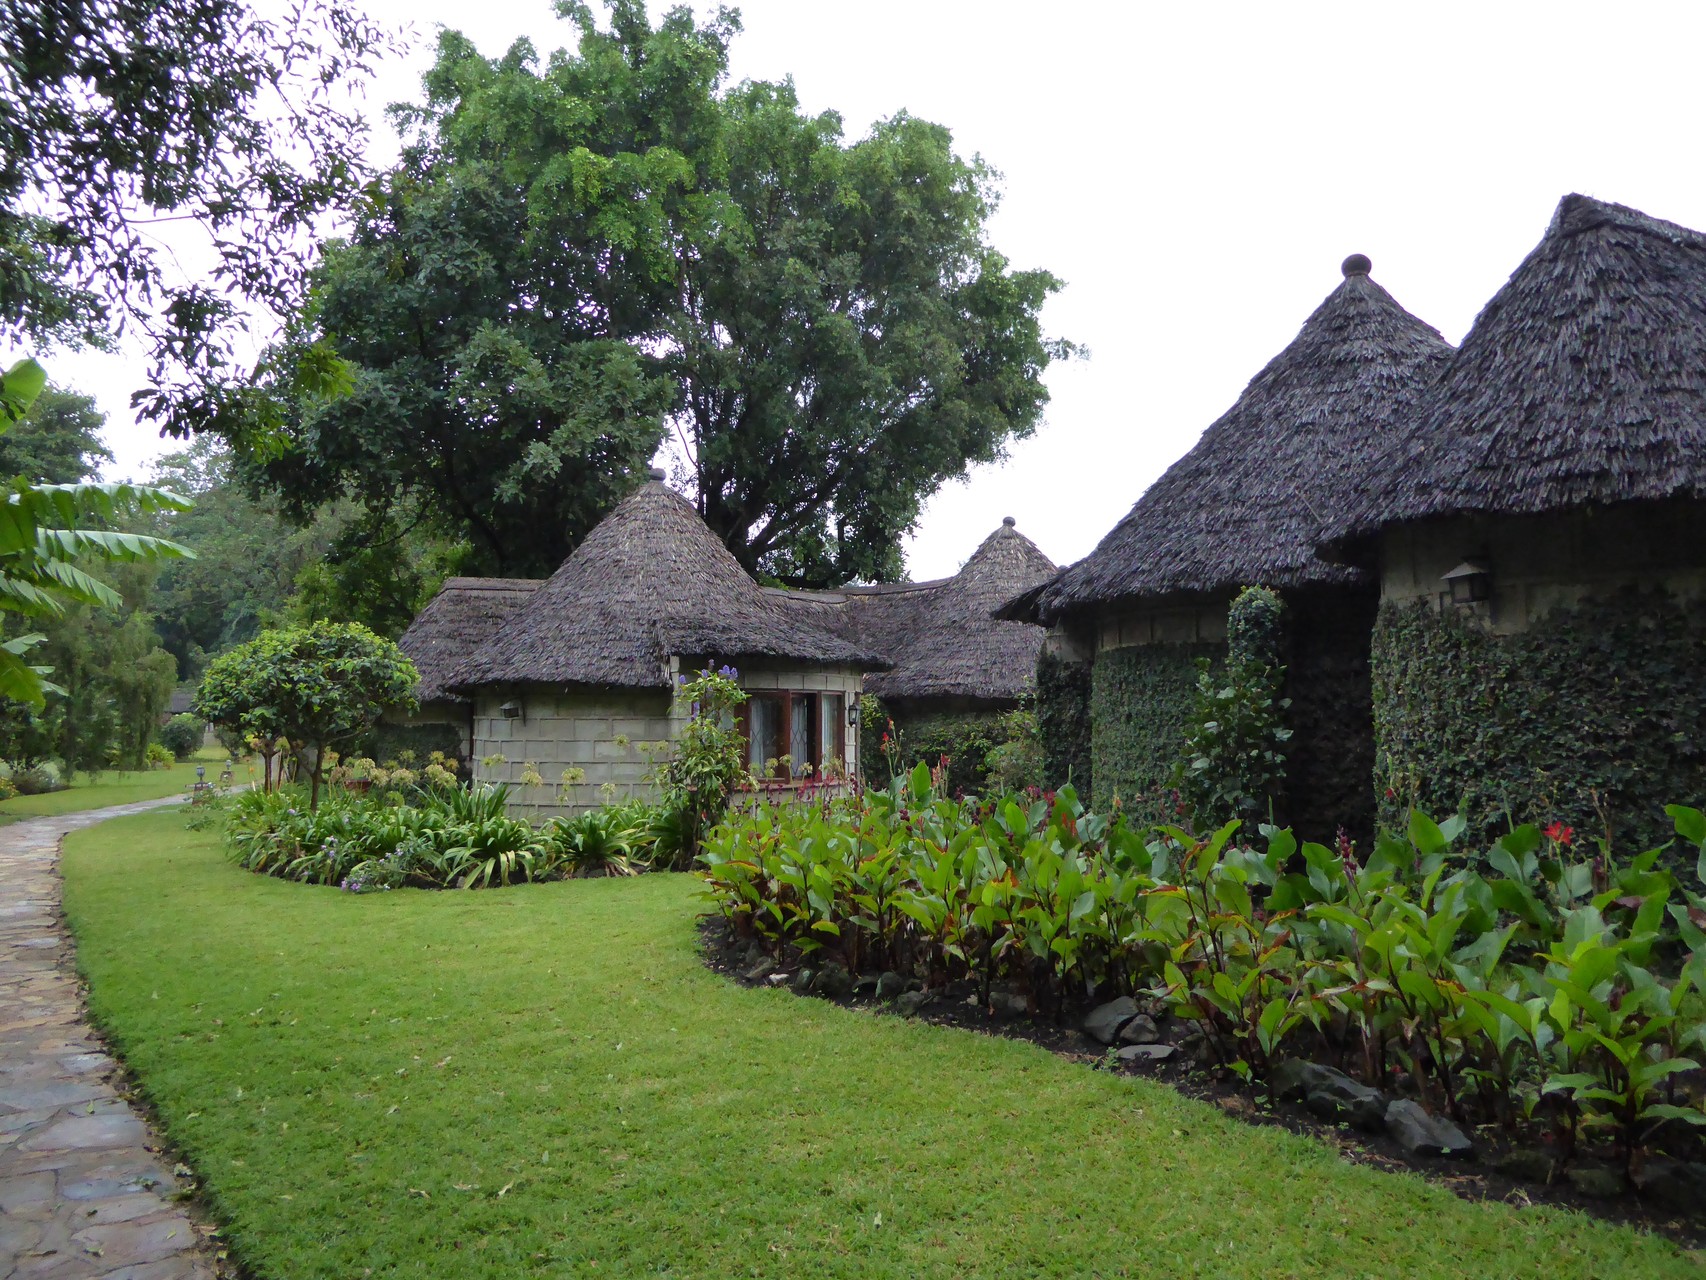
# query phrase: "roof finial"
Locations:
[[1356, 265], [656, 473], [1009, 521]]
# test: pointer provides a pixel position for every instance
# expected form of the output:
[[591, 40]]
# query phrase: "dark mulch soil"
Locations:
[[1476, 1179]]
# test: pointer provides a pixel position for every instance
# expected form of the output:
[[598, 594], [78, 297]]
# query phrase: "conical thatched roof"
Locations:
[[941, 635], [651, 581], [464, 614], [1246, 503], [1583, 381]]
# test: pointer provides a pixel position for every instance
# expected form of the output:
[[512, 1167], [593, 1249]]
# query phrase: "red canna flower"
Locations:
[[1558, 833]]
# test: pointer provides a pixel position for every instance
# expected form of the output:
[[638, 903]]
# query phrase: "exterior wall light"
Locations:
[[1470, 583], [511, 711], [852, 714]]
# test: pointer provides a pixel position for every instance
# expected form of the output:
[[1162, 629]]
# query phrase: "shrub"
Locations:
[[709, 762], [38, 779], [158, 757], [182, 735]]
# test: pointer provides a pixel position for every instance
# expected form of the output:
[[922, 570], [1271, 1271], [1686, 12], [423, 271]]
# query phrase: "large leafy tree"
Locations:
[[124, 124], [574, 260], [58, 440]]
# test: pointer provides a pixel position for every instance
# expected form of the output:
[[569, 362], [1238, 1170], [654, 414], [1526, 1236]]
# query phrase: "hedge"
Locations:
[[1593, 717]]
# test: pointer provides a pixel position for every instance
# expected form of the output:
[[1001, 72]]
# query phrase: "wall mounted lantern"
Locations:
[[852, 715], [1471, 582], [510, 711]]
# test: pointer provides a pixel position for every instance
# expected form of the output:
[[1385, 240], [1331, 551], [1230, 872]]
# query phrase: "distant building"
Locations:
[[575, 675]]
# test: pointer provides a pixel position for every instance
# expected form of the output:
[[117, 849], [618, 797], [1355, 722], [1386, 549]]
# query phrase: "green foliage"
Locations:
[[981, 749], [708, 764], [1233, 765], [1063, 721], [1141, 700], [57, 441], [571, 257], [315, 687], [413, 832], [1589, 718], [182, 735], [1488, 990], [158, 757], [410, 744], [204, 112]]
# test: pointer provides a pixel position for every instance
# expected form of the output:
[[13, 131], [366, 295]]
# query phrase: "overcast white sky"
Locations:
[[1196, 173]]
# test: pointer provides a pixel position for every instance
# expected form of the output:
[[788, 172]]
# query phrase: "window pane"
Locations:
[[800, 733], [829, 746], [764, 739]]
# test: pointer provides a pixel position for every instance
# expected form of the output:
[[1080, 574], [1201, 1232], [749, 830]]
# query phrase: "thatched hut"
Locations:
[[956, 668], [464, 614], [579, 683], [1539, 532], [1244, 507]]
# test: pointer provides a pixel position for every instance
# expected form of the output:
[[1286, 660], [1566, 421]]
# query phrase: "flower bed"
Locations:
[[1528, 987], [433, 837]]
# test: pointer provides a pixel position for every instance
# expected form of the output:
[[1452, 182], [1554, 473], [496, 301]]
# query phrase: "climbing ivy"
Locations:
[[1063, 720], [1233, 762], [1590, 718], [1140, 707]]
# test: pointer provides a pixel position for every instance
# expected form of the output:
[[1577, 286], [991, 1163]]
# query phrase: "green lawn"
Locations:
[[98, 790], [544, 1081]]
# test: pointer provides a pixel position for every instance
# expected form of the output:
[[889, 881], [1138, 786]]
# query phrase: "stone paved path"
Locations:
[[81, 1194]]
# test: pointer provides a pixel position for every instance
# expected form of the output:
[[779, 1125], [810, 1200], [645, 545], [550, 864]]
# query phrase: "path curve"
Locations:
[[83, 1193]]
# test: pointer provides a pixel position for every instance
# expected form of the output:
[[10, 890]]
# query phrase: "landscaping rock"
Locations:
[[1528, 1163], [865, 987], [1105, 1020], [1147, 1053], [1140, 1030], [890, 985], [802, 982], [1421, 1134], [834, 982], [1009, 1002], [758, 972], [910, 1002], [1596, 1183], [1330, 1094], [1675, 1184], [1289, 1080]]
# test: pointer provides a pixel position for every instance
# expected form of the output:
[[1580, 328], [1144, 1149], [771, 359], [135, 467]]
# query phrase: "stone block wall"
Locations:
[[610, 735]]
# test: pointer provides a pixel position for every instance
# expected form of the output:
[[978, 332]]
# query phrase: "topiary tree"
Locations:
[[315, 687], [1234, 763]]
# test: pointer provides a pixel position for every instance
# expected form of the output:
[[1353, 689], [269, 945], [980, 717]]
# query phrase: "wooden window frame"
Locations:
[[791, 703]]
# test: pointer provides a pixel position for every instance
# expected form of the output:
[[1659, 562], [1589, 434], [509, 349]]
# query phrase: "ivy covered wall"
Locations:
[[1063, 721], [1599, 708], [965, 737], [1140, 705]]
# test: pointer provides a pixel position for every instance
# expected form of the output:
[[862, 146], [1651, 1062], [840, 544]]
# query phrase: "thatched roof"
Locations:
[[1582, 382], [941, 635], [1246, 503], [464, 614], [650, 582]]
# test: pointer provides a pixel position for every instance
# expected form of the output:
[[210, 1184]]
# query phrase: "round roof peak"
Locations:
[[1356, 265], [656, 473], [1009, 521]]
